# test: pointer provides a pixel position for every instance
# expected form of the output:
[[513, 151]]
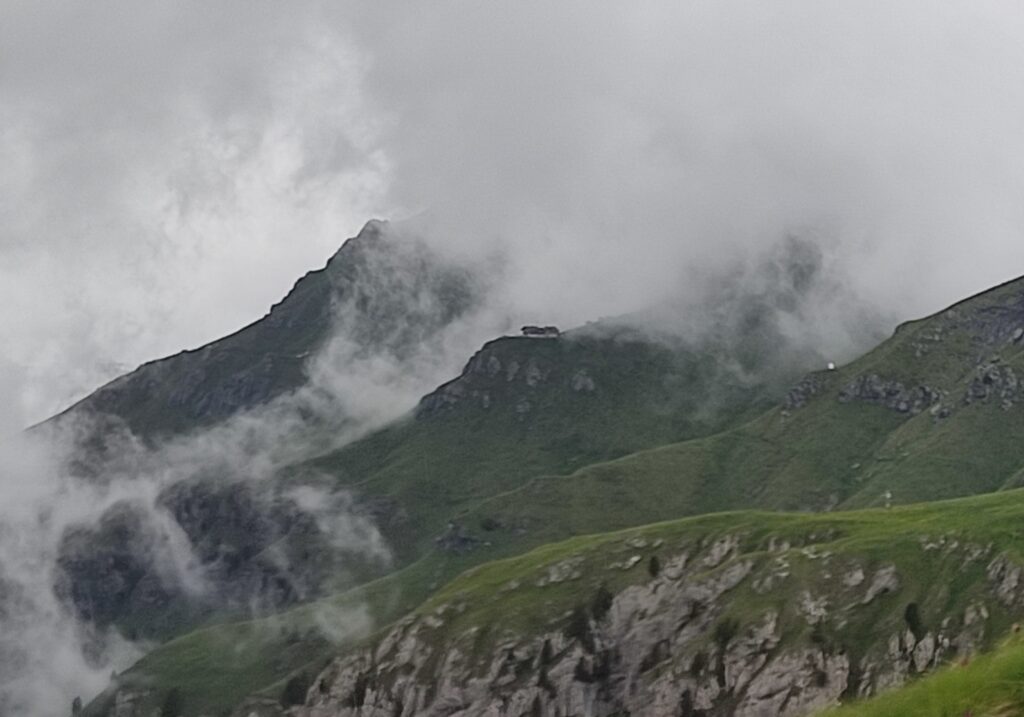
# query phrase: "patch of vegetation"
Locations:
[[991, 685], [725, 631], [912, 614], [295, 689], [578, 627], [645, 393], [654, 566], [601, 602], [173, 703]]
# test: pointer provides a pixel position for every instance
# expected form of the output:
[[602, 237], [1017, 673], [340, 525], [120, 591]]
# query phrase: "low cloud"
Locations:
[[169, 172], [165, 509], [613, 152]]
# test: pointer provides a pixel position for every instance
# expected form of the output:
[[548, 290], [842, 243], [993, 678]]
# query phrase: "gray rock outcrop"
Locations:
[[667, 646], [894, 395]]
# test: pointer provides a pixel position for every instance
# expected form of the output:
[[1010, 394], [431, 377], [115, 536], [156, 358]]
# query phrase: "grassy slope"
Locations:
[[873, 537], [991, 685], [436, 468], [215, 667], [825, 454], [218, 666]]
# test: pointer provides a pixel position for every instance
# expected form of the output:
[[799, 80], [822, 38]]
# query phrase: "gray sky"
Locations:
[[168, 169]]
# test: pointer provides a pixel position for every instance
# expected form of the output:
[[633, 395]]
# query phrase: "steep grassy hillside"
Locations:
[[932, 413], [527, 407], [991, 685], [516, 451]]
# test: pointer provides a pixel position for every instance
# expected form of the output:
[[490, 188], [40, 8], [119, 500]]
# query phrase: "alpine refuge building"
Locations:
[[542, 332]]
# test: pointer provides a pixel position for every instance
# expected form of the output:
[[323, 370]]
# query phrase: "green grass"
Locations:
[[873, 536], [438, 468], [217, 666], [824, 455], [990, 685]]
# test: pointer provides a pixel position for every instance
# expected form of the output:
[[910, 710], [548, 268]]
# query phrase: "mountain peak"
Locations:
[[384, 288]]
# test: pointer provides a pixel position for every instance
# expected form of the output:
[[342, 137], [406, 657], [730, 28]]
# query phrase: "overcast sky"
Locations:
[[168, 169]]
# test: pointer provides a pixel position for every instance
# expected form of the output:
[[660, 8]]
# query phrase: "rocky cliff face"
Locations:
[[961, 347], [224, 547], [713, 628]]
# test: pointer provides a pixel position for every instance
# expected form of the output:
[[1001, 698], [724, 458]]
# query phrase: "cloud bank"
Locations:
[[169, 171]]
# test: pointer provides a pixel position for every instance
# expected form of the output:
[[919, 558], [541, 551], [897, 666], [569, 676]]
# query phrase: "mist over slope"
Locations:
[[183, 491], [784, 626], [463, 478], [378, 298], [153, 504], [931, 413]]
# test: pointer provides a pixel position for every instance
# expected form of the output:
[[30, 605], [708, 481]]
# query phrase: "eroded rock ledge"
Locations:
[[676, 643]]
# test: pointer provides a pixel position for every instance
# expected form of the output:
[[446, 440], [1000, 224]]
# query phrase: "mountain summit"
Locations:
[[385, 292]]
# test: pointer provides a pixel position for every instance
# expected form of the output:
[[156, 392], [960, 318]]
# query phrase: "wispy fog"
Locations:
[[169, 171], [98, 525], [47, 655]]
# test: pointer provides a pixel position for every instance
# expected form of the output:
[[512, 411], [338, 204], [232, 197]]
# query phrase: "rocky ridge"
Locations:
[[672, 639], [982, 327], [381, 291]]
